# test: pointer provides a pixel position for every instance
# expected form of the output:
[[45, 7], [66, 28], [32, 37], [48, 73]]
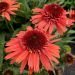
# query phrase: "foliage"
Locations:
[[21, 20]]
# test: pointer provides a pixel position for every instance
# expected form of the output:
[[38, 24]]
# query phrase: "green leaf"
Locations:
[[25, 9], [71, 32], [2, 42]]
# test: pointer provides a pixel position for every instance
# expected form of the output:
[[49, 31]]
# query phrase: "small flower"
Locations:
[[33, 46], [7, 8], [72, 14], [68, 59], [8, 72], [50, 15]]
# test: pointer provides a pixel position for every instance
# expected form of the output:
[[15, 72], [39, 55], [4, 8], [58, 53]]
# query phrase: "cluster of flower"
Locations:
[[35, 45]]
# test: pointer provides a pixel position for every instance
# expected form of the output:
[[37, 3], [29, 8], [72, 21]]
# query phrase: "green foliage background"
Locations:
[[20, 22]]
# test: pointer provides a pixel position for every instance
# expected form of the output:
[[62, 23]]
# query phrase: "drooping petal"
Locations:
[[23, 65], [41, 24], [7, 16], [36, 62], [22, 56], [30, 60], [51, 27], [11, 12], [50, 56], [45, 61], [30, 71]]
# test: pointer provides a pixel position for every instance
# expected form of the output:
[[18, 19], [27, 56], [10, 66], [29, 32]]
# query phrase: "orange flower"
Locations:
[[33, 46], [7, 8], [72, 14], [50, 15]]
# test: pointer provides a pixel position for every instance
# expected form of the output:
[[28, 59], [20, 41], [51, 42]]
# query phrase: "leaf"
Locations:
[[71, 32], [2, 42], [25, 9]]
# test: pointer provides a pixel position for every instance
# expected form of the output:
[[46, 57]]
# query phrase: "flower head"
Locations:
[[49, 16], [68, 59], [33, 46], [8, 7]]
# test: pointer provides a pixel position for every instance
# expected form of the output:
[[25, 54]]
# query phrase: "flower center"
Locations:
[[53, 11], [34, 40], [3, 6]]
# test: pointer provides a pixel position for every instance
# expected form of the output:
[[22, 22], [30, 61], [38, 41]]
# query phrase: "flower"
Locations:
[[72, 14], [8, 71], [33, 46], [7, 8], [50, 15], [68, 59]]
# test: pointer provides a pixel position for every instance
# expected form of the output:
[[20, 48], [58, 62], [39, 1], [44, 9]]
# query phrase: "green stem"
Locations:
[[9, 26]]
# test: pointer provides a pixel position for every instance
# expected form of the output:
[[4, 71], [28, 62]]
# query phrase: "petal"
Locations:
[[46, 27], [69, 22], [61, 27], [13, 9], [53, 53], [11, 55], [45, 61], [23, 65], [30, 60], [50, 56], [55, 60], [29, 28], [41, 24], [14, 58], [51, 27], [35, 17], [36, 62], [12, 42], [30, 71], [22, 56], [7, 16], [36, 20], [54, 47], [13, 48], [11, 12], [56, 40], [52, 36], [15, 6], [36, 10], [21, 34]]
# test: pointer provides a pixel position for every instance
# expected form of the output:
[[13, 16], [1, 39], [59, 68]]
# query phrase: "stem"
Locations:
[[9, 26]]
